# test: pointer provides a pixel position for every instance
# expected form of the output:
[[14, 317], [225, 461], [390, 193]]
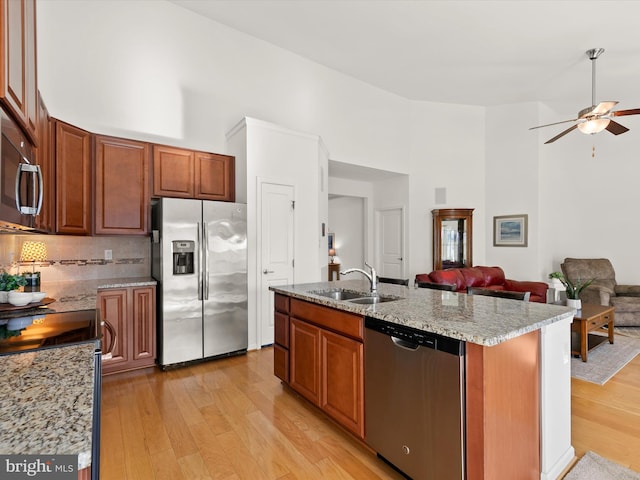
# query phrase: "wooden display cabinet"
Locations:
[[452, 238]]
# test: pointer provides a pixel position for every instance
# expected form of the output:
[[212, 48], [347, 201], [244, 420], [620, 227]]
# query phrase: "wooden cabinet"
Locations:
[[185, 173], [112, 305], [130, 313], [341, 380], [73, 179], [173, 172], [45, 221], [452, 238], [503, 409], [18, 78], [214, 177], [325, 358], [281, 338], [122, 201], [305, 360]]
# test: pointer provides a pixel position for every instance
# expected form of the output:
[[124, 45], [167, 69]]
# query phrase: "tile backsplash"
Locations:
[[72, 258]]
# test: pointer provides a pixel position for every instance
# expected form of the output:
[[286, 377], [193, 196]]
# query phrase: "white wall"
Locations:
[[273, 154], [512, 186], [153, 71], [347, 220], [358, 189], [447, 151], [590, 203], [149, 69]]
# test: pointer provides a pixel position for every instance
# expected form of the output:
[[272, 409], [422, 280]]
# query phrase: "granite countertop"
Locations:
[[81, 295], [473, 318], [47, 402]]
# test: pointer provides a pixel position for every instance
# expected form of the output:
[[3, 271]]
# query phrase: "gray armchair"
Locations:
[[605, 290]]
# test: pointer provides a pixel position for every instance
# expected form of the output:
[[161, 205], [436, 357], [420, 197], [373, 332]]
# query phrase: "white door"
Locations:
[[276, 250], [390, 242]]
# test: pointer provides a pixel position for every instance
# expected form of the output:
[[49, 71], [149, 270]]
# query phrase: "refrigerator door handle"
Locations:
[[205, 248], [200, 252]]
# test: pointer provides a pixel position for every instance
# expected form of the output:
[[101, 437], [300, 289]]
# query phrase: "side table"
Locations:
[[334, 270], [590, 318]]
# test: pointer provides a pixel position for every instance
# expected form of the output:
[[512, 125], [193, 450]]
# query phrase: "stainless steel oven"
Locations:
[[20, 178]]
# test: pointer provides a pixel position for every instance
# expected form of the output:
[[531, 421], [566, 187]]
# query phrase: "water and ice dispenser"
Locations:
[[183, 251]]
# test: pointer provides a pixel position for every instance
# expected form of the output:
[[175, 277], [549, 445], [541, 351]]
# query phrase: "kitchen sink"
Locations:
[[339, 294], [353, 297], [372, 300]]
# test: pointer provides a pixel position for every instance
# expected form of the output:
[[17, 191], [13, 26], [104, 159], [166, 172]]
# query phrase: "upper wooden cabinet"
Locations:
[[173, 172], [18, 76], [73, 179], [215, 177], [184, 173], [122, 186], [452, 238], [45, 222]]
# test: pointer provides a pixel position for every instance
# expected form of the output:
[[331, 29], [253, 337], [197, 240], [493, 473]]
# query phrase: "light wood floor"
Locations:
[[232, 419]]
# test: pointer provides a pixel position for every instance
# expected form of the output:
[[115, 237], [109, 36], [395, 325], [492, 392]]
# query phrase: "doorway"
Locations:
[[276, 250], [390, 242]]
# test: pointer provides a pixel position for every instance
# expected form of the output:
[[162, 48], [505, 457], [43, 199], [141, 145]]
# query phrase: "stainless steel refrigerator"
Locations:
[[199, 258]]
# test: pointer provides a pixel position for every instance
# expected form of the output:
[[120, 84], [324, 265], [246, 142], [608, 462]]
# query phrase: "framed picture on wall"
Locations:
[[332, 239], [510, 231]]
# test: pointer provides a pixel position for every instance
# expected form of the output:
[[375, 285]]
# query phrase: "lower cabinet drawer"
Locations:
[[281, 363], [281, 329]]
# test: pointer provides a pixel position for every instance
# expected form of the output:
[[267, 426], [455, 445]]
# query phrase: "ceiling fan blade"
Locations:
[[603, 108], [561, 134], [616, 128], [621, 113], [555, 123]]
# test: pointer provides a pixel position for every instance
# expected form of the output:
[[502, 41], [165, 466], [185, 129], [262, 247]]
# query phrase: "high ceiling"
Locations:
[[475, 52]]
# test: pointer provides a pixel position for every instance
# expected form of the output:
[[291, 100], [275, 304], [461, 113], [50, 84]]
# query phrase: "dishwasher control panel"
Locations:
[[418, 337]]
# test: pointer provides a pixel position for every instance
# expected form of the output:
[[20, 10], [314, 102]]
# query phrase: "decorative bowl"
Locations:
[[19, 323], [19, 299], [38, 296]]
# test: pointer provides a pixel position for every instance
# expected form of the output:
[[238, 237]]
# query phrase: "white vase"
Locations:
[[574, 303]]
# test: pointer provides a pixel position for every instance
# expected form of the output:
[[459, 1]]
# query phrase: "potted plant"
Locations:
[[8, 283], [573, 289]]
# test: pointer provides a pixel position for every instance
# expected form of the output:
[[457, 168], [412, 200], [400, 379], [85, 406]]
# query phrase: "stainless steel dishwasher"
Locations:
[[414, 400]]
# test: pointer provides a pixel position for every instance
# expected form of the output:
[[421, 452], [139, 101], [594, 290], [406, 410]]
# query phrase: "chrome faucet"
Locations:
[[372, 277]]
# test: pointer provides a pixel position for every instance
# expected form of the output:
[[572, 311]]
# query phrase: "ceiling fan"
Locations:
[[598, 117]]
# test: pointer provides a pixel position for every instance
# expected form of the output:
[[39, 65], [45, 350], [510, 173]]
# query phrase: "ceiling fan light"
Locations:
[[595, 125]]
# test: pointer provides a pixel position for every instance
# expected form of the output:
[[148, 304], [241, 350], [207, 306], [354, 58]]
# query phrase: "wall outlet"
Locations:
[[108, 254]]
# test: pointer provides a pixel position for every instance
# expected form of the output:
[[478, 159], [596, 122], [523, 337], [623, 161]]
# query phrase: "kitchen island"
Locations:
[[516, 366]]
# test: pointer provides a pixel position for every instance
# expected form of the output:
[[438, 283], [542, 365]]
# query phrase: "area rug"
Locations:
[[593, 467], [604, 361], [627, 331]]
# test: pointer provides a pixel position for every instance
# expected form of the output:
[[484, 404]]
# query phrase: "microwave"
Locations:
[[20, 179]]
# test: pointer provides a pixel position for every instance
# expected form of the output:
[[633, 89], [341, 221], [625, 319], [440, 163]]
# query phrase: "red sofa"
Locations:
[[484, 277]]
